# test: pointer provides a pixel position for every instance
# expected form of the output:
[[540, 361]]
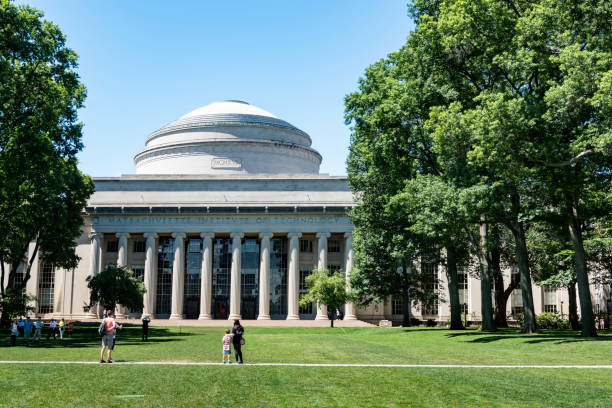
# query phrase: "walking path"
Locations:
[[182, 363]]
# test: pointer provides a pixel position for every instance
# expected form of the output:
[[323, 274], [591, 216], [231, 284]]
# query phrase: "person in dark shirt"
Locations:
[[145, 328], [237, 340]]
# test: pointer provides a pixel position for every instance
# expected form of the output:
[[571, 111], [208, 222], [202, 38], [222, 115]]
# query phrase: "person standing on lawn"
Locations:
[[15, 332], [117, 326], [237, 340], [227, 346], [70, 328], [27, 330], [107, 337], [38, 329], [52, 328], [62, 326], [145, 328], [21, 326]]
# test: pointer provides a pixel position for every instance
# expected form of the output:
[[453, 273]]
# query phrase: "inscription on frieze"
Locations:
[[219, 220], [225, 163]]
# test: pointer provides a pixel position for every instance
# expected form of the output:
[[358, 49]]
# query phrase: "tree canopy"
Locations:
[[42, 191], [505, 102], [115, 285]]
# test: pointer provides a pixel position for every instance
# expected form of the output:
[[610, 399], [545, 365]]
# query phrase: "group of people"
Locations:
[[28, 329], [235, 339], [600, 323]]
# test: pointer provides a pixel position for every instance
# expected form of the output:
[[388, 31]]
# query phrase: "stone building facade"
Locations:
[[225, 217]]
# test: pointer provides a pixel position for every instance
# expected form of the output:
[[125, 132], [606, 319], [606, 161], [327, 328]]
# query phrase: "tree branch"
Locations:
[[567, 162]]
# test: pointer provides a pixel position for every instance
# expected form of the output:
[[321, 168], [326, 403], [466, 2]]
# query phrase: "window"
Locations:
[[138, 274], [191, 287], [333, 268], [333, 245], [397, 306], [112, 245], [305, 271], [165, 259], [306, 246], [46, 285], [430, 272], [249, 285], [139, 245], [19, 276], [278, 278], [550, 299]]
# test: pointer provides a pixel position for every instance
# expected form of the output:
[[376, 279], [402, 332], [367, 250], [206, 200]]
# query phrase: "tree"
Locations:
[[115, 285], [328, 289], [42, 192], [432, 209], [16, 302]]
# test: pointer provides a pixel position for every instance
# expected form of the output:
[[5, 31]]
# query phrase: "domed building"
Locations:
[[225, 217]]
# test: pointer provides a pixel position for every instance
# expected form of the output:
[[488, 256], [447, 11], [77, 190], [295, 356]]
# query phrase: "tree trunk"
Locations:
[[499, 310], [453, 289], [573, 306], [518, 231], [405, 303], [28, 271], [331, 321], [2, 278], [485, 282], [582, 277]]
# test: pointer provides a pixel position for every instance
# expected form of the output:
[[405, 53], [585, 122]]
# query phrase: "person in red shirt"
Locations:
[[107, 338]]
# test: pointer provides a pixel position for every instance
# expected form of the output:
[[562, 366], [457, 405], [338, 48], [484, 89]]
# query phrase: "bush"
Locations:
[[431, 323], [551, 321]]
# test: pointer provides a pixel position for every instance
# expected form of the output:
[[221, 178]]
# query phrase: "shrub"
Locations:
[[431, 323], [551, 321]]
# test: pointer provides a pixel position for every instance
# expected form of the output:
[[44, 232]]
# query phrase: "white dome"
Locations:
[[229, 107], [228, 137]]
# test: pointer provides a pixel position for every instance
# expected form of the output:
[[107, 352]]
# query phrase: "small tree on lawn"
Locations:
[[115, 285], [15, 303], [326, 288]]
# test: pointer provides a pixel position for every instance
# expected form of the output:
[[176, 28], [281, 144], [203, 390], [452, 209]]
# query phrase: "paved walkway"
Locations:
[[181, 363], [245, 323]]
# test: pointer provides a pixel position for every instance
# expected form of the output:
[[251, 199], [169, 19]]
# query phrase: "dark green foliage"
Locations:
[[551, 321], [326, 288], [15, 303], [115, 285], [42, 192]]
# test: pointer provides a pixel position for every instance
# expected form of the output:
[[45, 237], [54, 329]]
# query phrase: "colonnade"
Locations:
[[178, 272]]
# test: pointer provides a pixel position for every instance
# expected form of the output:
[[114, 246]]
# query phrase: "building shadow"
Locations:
[[87, 336]]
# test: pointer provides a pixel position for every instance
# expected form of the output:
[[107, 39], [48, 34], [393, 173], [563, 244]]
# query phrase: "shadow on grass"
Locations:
[[546, 336], [87, 336]]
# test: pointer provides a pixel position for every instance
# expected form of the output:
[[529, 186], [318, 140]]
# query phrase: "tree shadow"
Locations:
[[545, 336], [87, 336]]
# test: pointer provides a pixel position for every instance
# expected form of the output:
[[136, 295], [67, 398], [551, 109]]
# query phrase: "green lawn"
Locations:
[[73, 385]]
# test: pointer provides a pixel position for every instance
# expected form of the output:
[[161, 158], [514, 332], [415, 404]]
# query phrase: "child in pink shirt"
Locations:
[[227, 348]]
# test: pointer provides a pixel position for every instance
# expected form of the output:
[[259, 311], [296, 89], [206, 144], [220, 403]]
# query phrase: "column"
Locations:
[[178, 276], [206, 276], [123, 248], [322, 264], [94, 264], [236, 278], [349, 307], [264, 276], [122, 252], [293, 276], [150, 273]]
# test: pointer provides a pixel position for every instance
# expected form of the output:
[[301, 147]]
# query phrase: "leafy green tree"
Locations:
[[16, 302], [328, 289], [42, 192], [432, 209], [115, 285]]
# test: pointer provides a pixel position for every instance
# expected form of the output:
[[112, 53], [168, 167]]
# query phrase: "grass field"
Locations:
[[160, 385]]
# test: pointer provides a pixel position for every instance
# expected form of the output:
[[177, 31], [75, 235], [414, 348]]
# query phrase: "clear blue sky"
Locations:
[[146, 63]]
